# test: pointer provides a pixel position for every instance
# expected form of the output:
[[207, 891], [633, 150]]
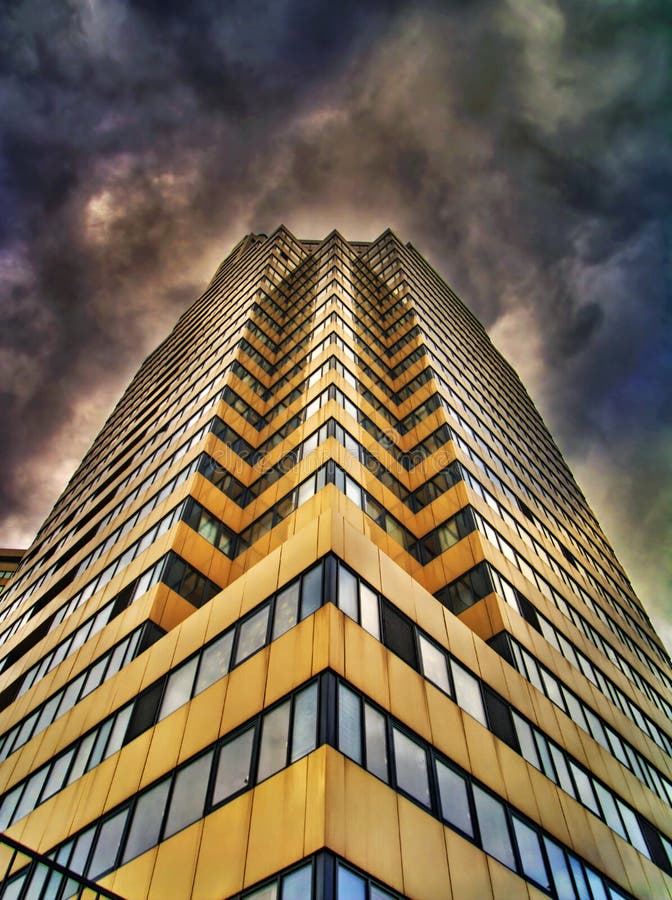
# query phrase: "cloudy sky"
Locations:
[[522, 145]]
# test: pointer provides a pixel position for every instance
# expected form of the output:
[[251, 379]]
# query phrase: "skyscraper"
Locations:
[[323, 613]]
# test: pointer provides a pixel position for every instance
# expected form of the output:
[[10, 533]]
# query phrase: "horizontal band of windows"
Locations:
[[24, 873], [582, 715], [269, 620], [328, 710], [95, 674], [331, 581], [258, 749], [171, 569], [323, 876], [420, 651], [385, 747], [583, 625], [561, 571], [482, 580]]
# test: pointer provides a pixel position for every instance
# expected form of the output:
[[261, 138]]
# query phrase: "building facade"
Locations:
[[323, 613]]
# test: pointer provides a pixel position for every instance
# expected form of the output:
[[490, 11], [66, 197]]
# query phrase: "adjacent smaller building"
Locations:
[[9, 563]]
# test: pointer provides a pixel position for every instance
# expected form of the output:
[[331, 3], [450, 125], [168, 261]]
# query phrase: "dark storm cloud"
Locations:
[[521, 145]]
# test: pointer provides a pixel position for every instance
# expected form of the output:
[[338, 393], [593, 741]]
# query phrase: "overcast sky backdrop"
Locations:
[[522, 145]]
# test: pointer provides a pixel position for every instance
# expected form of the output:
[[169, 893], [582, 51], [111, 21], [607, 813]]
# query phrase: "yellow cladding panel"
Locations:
[[222, 855], [204, 714], [290, 660], [277, 823], [245, 693], [363, 820], [407, 696], [506, 883], [423, 854], [468, 867], [133, 879], [366, 663], [166, 738], [173, 875]]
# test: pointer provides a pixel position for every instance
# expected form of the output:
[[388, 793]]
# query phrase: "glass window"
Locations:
[[350, 885], [347, 593], [79, 766], [454, 795], [562, 878], [304, 730], [107, 844], [214, 662], [411, 767], [188, 796], [81, 851], [268, 892], [298, 885], [468, 692], [286, 609], [368, 600], [434, 664], [57, 775], [233, 766], [376, 742], [178, 688], [398, 635], [311, 591], [30, 794], [609, 810], [274, 741], [349, 724], [526, 740], [147, 818], [495, 838], [531, 856], [252, 634], [584, 787]]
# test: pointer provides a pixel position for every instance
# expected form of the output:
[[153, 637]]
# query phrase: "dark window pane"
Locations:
[[147, 818], [454, 795], [145, 711], [188, 798], [398, 635], [499, 716], [311, 591], [411, 767], [233, 767], [274, 741]]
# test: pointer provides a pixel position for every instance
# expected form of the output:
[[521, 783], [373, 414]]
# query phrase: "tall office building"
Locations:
[[323, 614]]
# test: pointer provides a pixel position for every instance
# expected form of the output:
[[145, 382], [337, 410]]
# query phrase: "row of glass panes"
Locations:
[[237, 762], [583, 716], [579, 660], [383, 746], [567, 534], [320, 877], [62, 701], [574, 586], [288, 731], [569, 580], [483, 579], [401, 635], [582, 624], [114, 568], [266, 622], [177, 574]]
